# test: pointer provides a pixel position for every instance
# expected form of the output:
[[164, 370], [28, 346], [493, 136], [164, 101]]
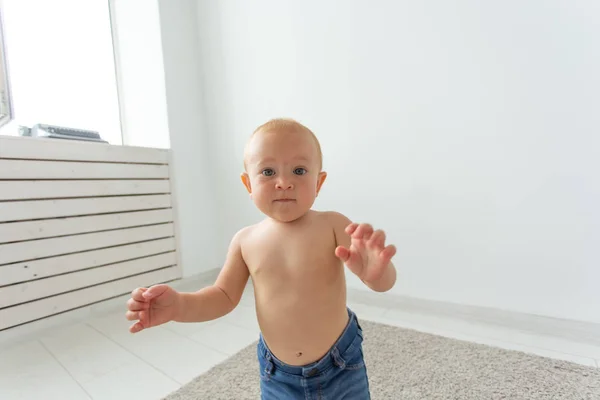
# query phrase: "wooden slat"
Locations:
[[28, 270], [28, 291], [15, 252], [30, 230], [45, 307], [29, 190], [32, 169], [49, 149], [38, 209]]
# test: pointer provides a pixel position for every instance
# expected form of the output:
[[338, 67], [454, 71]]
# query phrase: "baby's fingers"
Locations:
[[135, 328], [377, 240], [136, 294], [387, 253], [351, 228], [141, 316], [343, 253], [134, 305], [363, 231], [132, 315]]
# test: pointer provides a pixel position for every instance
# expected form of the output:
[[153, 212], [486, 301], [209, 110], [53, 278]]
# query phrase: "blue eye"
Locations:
[[268, 172], [300, 171]]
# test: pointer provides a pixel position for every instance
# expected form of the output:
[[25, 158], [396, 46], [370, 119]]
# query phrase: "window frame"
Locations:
[[6, 104]]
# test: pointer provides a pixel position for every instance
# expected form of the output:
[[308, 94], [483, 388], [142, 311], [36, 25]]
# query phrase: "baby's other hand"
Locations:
[[367, 257], [152, 306]]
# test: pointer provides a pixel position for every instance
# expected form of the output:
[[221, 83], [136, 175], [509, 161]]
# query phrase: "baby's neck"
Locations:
[[296, 221]]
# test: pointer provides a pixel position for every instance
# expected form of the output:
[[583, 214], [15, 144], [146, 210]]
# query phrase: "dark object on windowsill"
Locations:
[[61, 132]]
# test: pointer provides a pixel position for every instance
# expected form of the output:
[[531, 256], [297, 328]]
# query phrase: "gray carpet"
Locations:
[[405, 364]]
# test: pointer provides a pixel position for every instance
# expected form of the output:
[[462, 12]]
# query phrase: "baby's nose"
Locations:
[[285, 185]]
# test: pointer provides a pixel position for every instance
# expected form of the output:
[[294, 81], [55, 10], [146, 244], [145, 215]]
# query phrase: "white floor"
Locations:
[[97, 358]]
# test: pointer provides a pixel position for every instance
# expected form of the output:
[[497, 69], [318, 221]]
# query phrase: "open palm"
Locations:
[[367, 256]]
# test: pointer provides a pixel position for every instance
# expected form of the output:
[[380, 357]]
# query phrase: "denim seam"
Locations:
[[306, 389]]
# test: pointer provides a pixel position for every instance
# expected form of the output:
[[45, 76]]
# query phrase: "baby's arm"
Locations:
[[364, 252], [224, 295]]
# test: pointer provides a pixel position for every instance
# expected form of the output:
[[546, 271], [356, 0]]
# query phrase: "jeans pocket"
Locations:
[[356, 360]]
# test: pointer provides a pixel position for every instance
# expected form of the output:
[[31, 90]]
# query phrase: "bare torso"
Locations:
[[299, 286]]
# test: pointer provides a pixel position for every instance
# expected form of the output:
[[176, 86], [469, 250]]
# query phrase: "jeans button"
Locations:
[[313, 372]]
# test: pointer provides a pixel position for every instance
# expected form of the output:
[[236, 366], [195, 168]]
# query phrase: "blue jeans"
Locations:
[[340, 374]]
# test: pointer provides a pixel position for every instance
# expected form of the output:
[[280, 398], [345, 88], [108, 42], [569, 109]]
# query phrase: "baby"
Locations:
[[310, 346]]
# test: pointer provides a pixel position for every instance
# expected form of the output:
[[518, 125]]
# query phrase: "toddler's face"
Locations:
[[283, 173]]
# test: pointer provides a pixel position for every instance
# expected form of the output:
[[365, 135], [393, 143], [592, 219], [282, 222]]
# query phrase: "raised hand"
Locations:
[[367, 256], [152, 306]]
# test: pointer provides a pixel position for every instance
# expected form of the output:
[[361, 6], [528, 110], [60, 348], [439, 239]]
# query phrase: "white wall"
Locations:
[[194, 173], [466, 130]]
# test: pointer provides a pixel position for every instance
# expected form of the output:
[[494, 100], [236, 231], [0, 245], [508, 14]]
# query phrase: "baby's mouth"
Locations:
[[286, 200]]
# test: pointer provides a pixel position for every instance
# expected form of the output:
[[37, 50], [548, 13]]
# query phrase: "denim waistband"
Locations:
[[333, 356]]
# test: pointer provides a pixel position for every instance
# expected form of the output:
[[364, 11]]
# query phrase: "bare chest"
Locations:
[[291, 254]]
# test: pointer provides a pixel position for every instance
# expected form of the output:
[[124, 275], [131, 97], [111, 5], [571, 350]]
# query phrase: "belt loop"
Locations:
[[337, 358], [270, 366]]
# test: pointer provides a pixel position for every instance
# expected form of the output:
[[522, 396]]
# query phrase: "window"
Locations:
[[61, 64], [5, 97]]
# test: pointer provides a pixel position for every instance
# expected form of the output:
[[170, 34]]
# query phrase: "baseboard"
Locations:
[[580, 331]]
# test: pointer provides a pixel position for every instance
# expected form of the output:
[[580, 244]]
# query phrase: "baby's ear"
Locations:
[[246, 181], [320, 180]]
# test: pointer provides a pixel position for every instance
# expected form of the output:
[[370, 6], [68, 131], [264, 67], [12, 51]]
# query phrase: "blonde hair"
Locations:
[[285, 125]]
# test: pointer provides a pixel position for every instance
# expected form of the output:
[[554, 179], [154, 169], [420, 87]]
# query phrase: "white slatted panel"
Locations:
[[28, 169], [26, 190], [24, 271], [80, 223], [29, 230], [36, 249], [28, 291], [34, 310], [38, 209]]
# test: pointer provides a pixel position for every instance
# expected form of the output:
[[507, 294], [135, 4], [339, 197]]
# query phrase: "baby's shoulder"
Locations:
[[244, 233], [334, 218], [249, 232]]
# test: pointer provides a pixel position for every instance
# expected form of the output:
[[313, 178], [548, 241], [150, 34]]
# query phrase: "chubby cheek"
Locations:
[[308, 189], [262, 192]]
